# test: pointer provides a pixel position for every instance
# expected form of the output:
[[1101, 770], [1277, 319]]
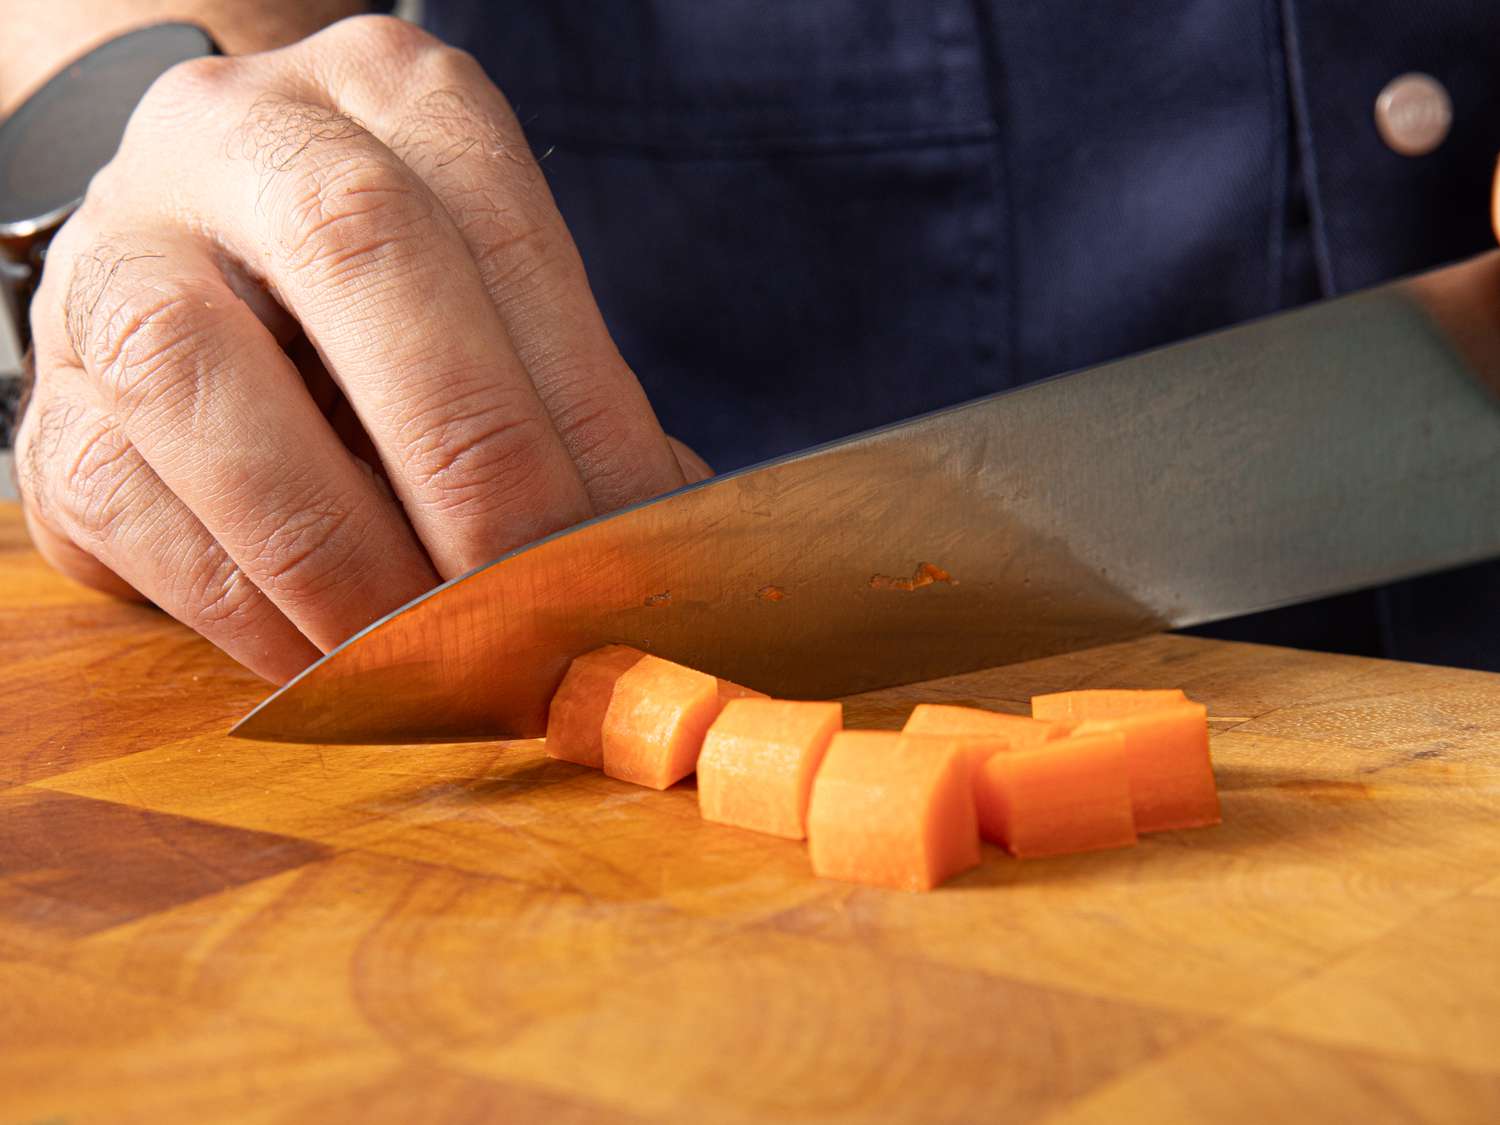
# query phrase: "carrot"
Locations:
[[1109, 704], [893, 810], [758, 761], [1019, 732], [1069, 795], [983, 733], [656, 720], [1166, 748], [1171, 776], [728, 691], [576, 715]]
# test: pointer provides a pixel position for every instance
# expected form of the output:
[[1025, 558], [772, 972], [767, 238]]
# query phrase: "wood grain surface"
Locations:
[[194, 928]]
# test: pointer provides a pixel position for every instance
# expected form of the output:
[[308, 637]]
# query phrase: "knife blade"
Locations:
[[1320, 450]]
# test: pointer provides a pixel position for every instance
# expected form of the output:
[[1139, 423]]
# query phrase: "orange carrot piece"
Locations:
[[984, 733], [656, 720], [1069, 795], [575, 718], [893, 810], [728, 691], [978, 737], [1171, 777], [1108, 704], [1019, 732], [758, 762]]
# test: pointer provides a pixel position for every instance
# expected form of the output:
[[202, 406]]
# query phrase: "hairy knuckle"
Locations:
[[440, 127], [278, 132], [93, 274], [462, 127]]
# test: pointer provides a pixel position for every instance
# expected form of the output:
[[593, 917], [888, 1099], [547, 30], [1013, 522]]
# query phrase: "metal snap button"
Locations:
[[1413, 114]]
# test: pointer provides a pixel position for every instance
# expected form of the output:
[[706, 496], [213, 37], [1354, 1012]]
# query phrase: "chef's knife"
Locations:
[[1325, 449]]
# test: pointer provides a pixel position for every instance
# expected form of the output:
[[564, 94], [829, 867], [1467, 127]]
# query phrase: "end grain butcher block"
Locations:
[[194, 929]]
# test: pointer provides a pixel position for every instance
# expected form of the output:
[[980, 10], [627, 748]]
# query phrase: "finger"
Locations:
[[56, 548], [694, 468], [465, 142], [199, 387], [65, 557], [1495, 201], [88, 486], [356, 247]]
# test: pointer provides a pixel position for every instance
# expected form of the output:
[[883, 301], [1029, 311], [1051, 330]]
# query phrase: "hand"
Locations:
[[316, 339]]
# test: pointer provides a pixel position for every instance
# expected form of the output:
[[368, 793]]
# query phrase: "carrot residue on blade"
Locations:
[[1102, 704], [925, 575], [758, 762], [656, 720], [893, 810], [771, 594], [1068, 795], [575, 718]]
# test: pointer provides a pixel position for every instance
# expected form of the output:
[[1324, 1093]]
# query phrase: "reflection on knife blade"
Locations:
[[1324, 449]]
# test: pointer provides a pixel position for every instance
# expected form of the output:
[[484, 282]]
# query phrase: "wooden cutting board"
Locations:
[[193, 928]]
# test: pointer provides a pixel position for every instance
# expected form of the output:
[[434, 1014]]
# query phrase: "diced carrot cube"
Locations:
[[758, 763], [656, 720], [983, 733], [1171, 776], [1019, 732], [1105, 704], [1166, 749], [1069, 795], [575, 719], [893, 810]]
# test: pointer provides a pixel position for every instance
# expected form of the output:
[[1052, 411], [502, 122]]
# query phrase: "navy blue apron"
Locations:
[[804, 218]]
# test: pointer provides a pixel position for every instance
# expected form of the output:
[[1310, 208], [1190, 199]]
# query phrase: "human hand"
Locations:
[[316, 339]]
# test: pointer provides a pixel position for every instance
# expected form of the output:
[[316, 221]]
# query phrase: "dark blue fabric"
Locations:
[[792, 213], [1379, 214], [803, 218]]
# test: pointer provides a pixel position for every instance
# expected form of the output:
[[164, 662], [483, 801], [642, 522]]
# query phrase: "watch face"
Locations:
[[53, 144]]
